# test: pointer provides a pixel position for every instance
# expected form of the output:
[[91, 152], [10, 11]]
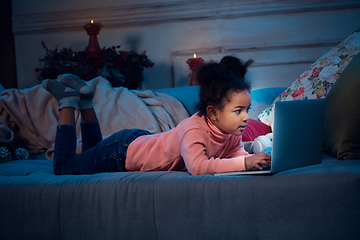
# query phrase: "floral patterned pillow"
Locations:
[[318, 79]]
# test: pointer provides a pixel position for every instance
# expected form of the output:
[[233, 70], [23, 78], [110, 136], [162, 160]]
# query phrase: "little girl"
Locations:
[[206, 143]]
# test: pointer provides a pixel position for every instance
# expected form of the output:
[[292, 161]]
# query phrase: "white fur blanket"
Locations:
[[32, 114]]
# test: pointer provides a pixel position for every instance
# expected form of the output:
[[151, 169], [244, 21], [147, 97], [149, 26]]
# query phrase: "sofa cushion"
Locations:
[[262, 98], [254, 129], [318, 79], [188, 96], [342, 114]]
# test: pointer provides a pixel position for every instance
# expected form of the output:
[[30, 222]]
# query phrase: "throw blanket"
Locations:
[[32, 114]]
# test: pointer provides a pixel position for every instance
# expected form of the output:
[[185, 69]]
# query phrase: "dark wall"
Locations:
[[7, 49]]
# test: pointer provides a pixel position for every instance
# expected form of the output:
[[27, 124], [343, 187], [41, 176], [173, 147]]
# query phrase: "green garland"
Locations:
[[111, 64]]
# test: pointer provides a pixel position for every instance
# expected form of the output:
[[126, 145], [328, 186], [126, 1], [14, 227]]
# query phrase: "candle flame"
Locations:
[[92, 21], [194, 55]]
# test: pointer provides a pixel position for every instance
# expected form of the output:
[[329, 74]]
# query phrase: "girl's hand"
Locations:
[[257, 160]]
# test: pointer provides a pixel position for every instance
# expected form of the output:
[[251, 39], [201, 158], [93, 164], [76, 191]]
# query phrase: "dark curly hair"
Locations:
[[236, 65], [218, 80]]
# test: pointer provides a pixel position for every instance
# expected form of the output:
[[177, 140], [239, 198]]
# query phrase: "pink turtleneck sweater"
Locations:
[[195, 144]]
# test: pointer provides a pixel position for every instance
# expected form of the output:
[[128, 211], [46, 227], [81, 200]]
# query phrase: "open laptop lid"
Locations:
[[297, 135]]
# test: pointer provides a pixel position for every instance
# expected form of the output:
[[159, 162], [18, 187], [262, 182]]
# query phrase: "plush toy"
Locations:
[[7, 151], [263, 144]]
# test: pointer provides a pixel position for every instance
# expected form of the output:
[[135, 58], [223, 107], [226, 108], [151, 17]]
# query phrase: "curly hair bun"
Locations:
[[217, 80], [210, 72], [235, 65]]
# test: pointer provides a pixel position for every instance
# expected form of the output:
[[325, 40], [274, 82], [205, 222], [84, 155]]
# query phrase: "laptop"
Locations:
[[297, 136]]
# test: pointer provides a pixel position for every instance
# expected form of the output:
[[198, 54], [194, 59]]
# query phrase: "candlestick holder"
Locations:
[[194, 64], [93, 30]]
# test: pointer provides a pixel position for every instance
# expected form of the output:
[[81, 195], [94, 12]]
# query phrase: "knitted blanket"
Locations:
[[32, 114]]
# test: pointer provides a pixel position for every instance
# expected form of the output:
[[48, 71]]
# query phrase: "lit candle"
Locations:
[[193, 64], [92, 30]]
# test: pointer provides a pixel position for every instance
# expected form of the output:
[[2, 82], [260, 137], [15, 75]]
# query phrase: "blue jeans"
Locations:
[[97, 155]]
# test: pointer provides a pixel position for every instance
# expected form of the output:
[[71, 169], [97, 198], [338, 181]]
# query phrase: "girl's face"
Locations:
[[234, 117]]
